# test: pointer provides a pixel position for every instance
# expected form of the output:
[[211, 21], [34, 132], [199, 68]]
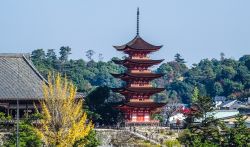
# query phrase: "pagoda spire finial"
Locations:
[[137, 27]]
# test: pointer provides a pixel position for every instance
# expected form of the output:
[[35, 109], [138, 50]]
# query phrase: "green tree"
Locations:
[[239, 135], [164, 68], [39, 60], [243, 75], [245, 60], [173, 94], [172, 143], [195, 95], [27, 137], [101, 108], [100, 57], [183, 89], [3, 119], [230, 87], [51, 55], [64, 53], [217, 88], [38, 55], [205, 131], [161, 97], [228, 72], [178, 58], [222, 56], [89, 54], [90, 141]]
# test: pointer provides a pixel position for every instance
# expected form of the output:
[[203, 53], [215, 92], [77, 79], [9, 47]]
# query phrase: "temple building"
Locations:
[[19, 80], [138, 107]]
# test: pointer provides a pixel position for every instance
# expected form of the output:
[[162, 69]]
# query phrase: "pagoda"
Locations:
[[138, 107]]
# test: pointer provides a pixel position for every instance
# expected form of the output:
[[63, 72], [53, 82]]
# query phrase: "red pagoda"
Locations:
[[137, 106]]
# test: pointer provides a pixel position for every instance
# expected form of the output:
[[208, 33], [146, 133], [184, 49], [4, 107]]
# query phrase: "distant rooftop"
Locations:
[[219, 114], [220, 98]]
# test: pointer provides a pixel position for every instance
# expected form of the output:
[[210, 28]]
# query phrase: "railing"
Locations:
[[140, 85], [140, 71], [141, 58], [139, 99]]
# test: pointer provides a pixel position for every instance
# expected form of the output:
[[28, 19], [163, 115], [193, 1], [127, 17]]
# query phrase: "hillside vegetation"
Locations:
[[225, 77]]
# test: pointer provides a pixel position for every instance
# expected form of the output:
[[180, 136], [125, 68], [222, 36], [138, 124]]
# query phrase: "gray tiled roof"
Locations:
[[19, 79]]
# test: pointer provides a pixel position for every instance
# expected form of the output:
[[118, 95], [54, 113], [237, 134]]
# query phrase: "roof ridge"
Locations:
[[16, 55]]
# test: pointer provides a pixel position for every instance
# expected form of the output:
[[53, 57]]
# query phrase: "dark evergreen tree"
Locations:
[[222, 56], [51, 55], [245, 60], [64, 53], [179, 59], [89, 54], [239, 135], [202, 128], [38, 55], [101, 109], [100, 57]]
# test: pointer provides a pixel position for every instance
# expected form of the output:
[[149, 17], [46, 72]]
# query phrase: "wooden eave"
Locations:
[[138, 44], [149, 91], [131, 75], [151, 105], [137, 61]]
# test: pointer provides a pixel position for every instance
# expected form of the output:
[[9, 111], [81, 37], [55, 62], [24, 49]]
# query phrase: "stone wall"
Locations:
[[3, 136], [121, 138]]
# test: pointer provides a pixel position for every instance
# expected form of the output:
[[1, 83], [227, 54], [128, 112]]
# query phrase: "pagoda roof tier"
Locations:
[[128, 62], [128, 76], [128, 90], [150, 105], [138, 44]]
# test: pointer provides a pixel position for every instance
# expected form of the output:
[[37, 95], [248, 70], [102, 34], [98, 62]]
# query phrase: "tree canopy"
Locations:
[[224, 77], [64, 122]]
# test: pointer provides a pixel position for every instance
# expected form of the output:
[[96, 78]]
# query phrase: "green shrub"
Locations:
[[27, 137], [90, 140], [172, 143], [169, 133]]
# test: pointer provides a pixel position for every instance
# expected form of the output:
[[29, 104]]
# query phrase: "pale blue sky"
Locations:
[[196, 29]]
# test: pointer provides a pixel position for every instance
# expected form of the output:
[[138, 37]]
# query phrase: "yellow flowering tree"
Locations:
[[64, 121]]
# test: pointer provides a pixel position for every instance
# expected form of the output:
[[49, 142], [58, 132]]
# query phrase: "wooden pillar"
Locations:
[[11, 113], [8, 109], [27, 114]]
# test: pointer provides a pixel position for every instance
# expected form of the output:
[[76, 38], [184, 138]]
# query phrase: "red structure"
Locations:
[[138, 107]]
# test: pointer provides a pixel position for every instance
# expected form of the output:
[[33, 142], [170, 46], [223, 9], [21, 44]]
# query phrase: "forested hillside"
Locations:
[[224, 77]]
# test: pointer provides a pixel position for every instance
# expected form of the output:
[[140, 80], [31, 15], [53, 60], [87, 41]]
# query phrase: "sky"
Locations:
[[197, 29]]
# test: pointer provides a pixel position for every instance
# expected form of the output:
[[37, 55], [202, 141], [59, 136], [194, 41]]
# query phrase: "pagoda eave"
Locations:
[[138, 44], [127, 62], [138, 105], [139, 76], [129, 48], [146, 91]]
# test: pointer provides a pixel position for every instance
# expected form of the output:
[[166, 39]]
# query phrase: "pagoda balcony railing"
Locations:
[[141, 99], [140, 71], [141, 58], [143, 121], [140, 85]]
